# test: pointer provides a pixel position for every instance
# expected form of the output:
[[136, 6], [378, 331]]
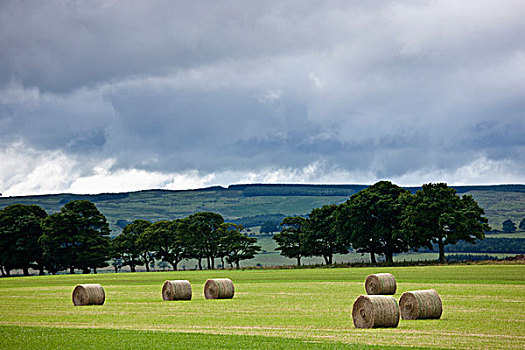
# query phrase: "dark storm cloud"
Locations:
[[377, 87]]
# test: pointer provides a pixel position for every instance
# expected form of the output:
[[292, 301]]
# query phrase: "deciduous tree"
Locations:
[[322, 235], [292, 238], [126, 246], [371, 220], [201, 235], [166, 241], [19, 233], [236, 245], [435, 214], [77, 237]]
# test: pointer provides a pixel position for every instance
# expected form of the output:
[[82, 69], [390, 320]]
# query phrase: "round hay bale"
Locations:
[[176, 290], [219, 288], [420, 304], [88, 294], [380, 284], [373, 311]]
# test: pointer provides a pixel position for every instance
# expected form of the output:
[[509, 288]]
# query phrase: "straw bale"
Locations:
[[420, 304], [380, 284], [219, 288], [176, 290], [88, 294], [373, 311]]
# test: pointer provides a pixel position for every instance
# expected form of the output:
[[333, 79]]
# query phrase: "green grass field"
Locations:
[[484, 308]]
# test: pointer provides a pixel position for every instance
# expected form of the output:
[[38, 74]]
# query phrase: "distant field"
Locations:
[[500, 206], [520, 234], [484, 308]]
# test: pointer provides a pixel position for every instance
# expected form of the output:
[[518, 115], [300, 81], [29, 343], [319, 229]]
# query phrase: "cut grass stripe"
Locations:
[[42, 338]]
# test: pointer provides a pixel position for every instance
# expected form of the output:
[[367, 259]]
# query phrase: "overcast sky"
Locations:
[[113, 96]]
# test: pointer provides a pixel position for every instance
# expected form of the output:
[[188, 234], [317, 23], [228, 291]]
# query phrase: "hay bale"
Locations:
[[420, 304], [176, 290], [88, 294], [373, 311], [380, 284], [219, 288]]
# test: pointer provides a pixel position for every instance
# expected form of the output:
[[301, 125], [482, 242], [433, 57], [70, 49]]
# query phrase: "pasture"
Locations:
[[484, 308]]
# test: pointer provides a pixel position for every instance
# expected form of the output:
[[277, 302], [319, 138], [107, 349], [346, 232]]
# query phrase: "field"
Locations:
[[484, 308]]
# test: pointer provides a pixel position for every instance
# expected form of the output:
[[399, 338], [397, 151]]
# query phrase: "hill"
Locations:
[[254, 204]]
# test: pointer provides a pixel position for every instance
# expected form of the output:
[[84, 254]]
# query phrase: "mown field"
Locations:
[[484, 308]]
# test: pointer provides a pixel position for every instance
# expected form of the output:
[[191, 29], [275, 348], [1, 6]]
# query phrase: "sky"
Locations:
[[112, 96]]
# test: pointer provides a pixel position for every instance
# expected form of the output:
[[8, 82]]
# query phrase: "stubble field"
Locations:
[[484, 308]]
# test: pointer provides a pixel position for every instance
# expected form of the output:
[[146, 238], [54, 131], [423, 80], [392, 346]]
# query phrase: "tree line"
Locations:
[[384, 219], [78, 238]]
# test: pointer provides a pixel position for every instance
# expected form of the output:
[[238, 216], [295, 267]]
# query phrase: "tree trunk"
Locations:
[[146, 261], [237, 264], [95, 270], [26, 270], [373, 258], [298, 261], [222, 262], [174, 265], [71, 270], [41, 270], [208, 262], [441, 245], [132, 267], [389, 258], [86, 270], [200, 264]]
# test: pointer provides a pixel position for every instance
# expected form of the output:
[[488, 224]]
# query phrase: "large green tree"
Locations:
[[144, 247], [201, 235], [166, 241], [127, 247], [236, 245], [437, 215], [322, 235], [291, 241], [77, 237], [371, 220], [19, 233]]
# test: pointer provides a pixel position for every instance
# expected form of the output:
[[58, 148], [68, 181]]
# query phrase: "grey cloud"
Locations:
[[380, 87]]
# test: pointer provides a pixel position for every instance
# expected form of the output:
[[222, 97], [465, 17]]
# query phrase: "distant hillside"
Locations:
[[257, 203]]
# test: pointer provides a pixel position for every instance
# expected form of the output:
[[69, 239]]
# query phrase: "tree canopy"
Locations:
[[19, 232], [371, 220], [322, 238], [291, 239], [435, 214], [235, 245], [76, 237]]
